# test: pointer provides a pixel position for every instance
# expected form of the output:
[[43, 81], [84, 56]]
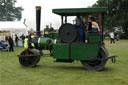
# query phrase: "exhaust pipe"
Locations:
[[38, 17]]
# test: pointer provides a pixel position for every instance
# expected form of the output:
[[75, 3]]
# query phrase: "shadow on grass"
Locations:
[[61, 67], [69, 67], [108, 69], [77, 68]]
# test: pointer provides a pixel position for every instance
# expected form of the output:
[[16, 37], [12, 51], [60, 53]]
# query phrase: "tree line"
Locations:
[[117, 15], [8, 11]]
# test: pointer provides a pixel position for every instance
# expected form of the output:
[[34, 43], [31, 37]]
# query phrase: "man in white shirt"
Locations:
[[112, 37]]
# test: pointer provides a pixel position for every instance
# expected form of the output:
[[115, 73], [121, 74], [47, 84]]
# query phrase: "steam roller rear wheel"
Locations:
[[96, 64], [30, 59]]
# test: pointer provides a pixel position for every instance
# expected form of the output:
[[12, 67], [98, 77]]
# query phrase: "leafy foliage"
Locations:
[[8, 11], [117, 15]]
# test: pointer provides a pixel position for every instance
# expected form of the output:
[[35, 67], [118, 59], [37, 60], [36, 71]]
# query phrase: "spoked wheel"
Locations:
[[29, 57], [96, 64]]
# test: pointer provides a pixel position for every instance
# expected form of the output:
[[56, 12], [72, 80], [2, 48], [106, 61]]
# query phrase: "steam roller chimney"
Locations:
[[38, 17]]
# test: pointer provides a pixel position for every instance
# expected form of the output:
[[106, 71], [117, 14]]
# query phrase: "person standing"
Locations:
[[117, 38], [94, 25], [22, 38], [6, 38], [112, 38], [11, 44], [80, 28], [26, 42], [16, 40]]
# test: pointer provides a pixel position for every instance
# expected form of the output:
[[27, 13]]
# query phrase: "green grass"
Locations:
[[49, 72]]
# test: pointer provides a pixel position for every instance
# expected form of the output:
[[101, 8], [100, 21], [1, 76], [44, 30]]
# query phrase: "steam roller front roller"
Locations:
[[29, 57], [98, 62]]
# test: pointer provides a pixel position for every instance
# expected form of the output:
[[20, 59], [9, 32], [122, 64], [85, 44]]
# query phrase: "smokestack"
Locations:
[[38, 17]]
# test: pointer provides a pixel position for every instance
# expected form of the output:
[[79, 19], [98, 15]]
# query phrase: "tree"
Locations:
[[117, 15], [110, 17], [8, 11]]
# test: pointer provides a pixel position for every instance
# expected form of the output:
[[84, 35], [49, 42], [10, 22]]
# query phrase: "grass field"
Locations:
[[48, 72]]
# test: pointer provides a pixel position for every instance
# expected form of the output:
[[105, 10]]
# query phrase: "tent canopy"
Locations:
[[11, 25], [14, 27]]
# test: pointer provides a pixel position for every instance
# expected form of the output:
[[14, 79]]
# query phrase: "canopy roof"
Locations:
[[15, 27], [78, 11], [11, 25]]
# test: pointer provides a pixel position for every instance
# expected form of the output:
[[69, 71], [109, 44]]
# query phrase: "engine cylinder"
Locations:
[[45, 42]]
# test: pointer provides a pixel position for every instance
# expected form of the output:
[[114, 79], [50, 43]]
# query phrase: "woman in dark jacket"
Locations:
[[11, 44]]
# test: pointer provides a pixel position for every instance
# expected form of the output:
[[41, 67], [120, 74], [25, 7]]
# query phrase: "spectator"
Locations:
[[112, 40], [11, 44], [16, 40], [6, 38], [22, 38], [117, 37]]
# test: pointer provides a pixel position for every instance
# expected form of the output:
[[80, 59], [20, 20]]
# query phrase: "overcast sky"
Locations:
[[47, 16]]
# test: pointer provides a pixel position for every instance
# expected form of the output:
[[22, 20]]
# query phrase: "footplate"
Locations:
[[112, 57]]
